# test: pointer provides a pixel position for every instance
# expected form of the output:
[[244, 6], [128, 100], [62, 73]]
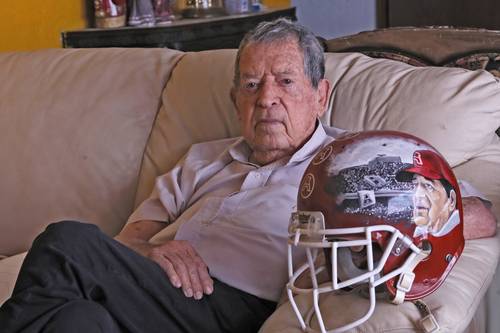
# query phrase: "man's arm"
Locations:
[[183, 266], [479, 221]]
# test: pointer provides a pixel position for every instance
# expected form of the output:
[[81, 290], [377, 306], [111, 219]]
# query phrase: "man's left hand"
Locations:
[[479, 221]]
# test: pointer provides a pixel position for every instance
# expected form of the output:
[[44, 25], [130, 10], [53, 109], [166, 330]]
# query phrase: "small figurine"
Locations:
[[163, 11], [141, 13]]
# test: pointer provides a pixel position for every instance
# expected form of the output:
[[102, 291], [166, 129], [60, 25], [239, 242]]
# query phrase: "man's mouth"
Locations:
[[421, 210], [268, 123], [268, 120]]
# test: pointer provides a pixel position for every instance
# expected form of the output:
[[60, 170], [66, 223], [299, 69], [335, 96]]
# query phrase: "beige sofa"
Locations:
[[84, 132]]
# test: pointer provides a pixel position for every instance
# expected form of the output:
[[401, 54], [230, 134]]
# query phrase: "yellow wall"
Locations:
[[32, 24], [276, 3]]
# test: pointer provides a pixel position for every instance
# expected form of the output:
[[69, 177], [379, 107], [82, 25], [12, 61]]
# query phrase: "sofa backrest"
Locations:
[[76, 125], [73, 127], [454, 109]]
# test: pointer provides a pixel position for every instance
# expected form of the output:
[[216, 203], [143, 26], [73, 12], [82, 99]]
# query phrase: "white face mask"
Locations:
[[307, 231]]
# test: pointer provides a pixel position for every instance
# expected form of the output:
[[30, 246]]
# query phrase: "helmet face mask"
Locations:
[[357, 203]]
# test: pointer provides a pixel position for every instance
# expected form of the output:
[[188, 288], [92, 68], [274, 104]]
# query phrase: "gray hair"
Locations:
[[283, 29]]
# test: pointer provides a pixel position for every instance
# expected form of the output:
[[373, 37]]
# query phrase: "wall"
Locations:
[[30, 24], [276, 3], [335, 18]]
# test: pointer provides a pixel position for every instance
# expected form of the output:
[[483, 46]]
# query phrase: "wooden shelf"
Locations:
[[186, 35]]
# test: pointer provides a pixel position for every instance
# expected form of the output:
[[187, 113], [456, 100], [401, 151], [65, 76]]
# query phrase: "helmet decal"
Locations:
[[434, 208], [362, 152], [307, 186], [372, 188], [323, 155]]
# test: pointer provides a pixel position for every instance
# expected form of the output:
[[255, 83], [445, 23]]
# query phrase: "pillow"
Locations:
[[455, 110], [487, 61], [74, 124], [196, 107]]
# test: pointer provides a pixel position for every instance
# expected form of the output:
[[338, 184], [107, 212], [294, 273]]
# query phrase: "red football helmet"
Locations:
[[387, 197]]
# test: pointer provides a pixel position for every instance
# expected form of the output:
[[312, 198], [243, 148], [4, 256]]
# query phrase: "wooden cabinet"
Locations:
[[456, 13], [185, 35]]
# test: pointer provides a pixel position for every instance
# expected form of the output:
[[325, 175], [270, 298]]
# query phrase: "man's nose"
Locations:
[[419, 191], [268, 95]]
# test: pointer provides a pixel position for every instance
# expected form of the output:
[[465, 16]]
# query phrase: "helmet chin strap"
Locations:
[[406, 277], [428, 321]]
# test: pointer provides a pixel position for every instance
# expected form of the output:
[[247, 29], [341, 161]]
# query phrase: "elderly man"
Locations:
[[225, 269]]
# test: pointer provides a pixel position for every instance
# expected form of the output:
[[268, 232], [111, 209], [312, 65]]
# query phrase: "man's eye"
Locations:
[[250, 85], [286, 81], [429, 187]]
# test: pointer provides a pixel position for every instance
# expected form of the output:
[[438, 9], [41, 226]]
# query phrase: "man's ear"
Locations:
[[323, 95], [453, 201]]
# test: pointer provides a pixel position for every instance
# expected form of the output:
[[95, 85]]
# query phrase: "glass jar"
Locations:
[[237, 6]]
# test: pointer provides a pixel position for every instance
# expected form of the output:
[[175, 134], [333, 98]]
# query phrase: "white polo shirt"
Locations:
[[233, 212]]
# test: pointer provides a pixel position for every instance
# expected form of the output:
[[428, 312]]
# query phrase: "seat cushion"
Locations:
[[453, 304]]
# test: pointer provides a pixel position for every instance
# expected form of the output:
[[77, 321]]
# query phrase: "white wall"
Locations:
[[335, 18]]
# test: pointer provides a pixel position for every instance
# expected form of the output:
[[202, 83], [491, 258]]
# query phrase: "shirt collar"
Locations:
[[240, 150], [312, 145]]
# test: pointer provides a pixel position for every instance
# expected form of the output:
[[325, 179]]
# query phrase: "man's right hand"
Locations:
[[184, 267], [180, 261]]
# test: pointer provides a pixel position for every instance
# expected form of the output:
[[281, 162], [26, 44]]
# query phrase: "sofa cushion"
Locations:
[[73, 126], [454, 109], [453, 304], [196, 107]]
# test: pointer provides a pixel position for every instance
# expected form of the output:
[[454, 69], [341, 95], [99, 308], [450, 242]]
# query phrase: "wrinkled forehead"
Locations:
[[278, 42], [284, 53]]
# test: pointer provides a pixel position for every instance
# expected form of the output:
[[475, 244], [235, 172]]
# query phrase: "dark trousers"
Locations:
[[76, 279]]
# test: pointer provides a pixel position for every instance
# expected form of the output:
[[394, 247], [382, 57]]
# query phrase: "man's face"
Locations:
[[277, 104], [432, 205]]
